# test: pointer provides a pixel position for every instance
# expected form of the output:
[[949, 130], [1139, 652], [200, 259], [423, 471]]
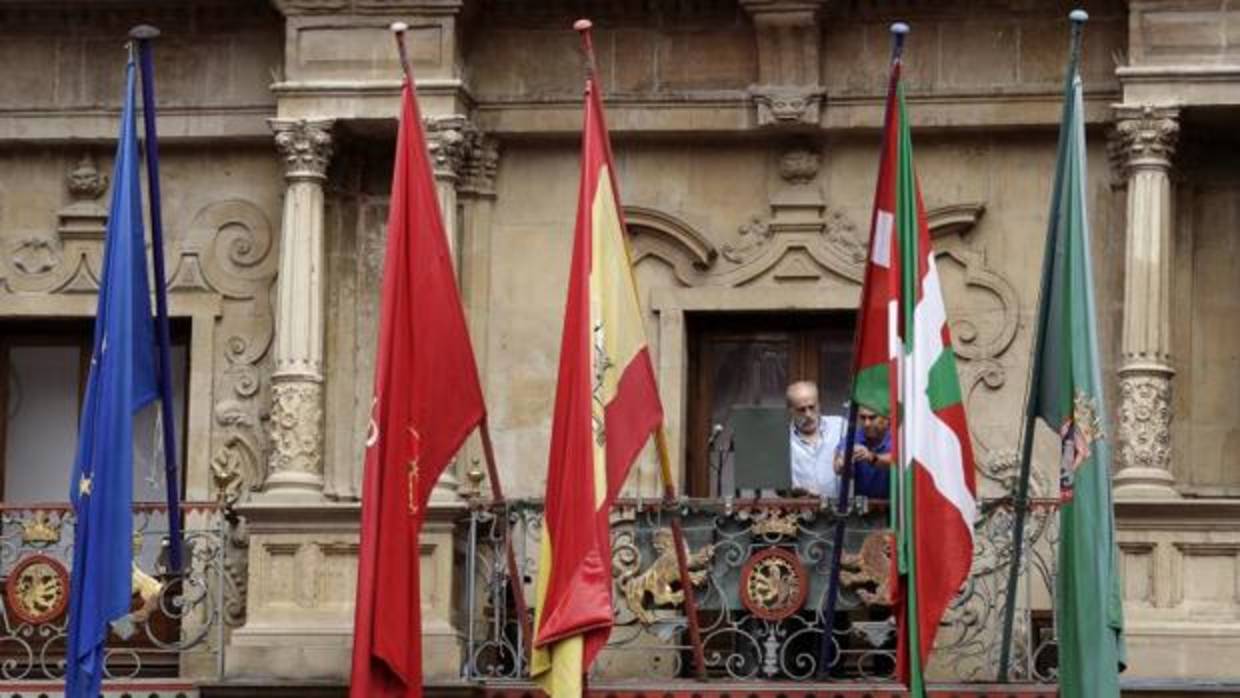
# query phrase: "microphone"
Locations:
[[715, 431]]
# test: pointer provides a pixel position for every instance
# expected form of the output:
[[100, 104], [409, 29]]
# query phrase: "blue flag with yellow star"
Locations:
[[122, 380]]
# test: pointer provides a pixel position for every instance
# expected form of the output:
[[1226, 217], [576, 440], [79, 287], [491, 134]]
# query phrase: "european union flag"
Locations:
[[122, 380]]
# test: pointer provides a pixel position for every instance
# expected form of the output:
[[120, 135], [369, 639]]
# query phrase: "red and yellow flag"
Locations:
[[606, 407], [427, 400]]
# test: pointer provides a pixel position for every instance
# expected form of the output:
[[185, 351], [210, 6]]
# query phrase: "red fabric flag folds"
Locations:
[[427, 399]]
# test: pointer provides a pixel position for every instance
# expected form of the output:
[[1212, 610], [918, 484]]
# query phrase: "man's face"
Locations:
[[803, 408], [872, 423]]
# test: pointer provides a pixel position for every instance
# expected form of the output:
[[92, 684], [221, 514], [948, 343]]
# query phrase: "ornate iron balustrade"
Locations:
[[760, 573], [177, 624]]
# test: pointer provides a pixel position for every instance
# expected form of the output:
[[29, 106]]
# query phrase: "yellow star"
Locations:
[[84, 486]]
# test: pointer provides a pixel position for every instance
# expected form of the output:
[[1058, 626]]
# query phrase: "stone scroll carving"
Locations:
[[230, 250]]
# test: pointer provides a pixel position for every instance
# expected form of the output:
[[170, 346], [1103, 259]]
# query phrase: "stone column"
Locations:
[[448, 140], [476, 192], [296, 470], [1146, 137]]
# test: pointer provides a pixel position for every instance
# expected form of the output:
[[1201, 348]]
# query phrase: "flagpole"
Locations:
[[1021, 502], [497, 493], [514, 572], [682, 562], [583, 27], [826, 651], [142, 35]]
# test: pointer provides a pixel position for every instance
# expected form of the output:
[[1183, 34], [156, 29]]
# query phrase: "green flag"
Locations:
[[1067, 395]]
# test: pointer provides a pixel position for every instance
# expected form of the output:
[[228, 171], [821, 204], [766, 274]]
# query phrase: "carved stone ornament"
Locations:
[[480, 165], [305, 145], [659, 584], [84, 218], [1147, 133], [35, 255], [773, 584], [786, 106], [296, 417], [870, 566], [37, 589], [1145, 420], [843, 236], [234, 468], [799, 165], [85, 181], [449, 140], [752, 235]]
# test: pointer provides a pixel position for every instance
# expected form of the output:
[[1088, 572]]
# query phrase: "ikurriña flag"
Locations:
[[606, 408], [122, 380], [907, 371], [427, 398]]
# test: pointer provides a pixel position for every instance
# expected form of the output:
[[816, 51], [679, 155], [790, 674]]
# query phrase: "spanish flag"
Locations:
[[606, 408]]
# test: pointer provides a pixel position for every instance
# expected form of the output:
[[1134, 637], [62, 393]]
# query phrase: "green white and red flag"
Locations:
[[907, 371]]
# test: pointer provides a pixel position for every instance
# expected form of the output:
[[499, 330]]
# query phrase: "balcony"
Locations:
[[175, 633], [760, 571]]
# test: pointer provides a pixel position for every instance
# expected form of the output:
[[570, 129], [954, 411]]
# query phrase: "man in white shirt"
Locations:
[[812, 442]]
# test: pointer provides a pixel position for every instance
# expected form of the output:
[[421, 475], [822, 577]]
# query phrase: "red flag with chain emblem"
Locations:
[[427, 399]]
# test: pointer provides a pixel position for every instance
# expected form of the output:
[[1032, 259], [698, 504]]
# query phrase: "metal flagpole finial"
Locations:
[[398, 32], [1078, 17], [583, 27], [143, 32], [899, 30]]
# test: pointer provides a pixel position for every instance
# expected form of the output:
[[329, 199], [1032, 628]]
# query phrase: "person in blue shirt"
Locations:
[[871, 455]]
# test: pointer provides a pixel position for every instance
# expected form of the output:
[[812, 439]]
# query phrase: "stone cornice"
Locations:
[[731, 113], [102, 15], [1165, 514], [291, 8], [192, 124]]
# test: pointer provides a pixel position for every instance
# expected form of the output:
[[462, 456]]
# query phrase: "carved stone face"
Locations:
[[799, 165], [85, 180], [788, 108]]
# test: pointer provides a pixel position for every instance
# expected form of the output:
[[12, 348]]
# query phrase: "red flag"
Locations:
[[427, 400], [606, 407]]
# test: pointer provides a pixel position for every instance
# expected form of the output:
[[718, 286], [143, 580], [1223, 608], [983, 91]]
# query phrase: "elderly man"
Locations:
[[812, 440], [871, 455]]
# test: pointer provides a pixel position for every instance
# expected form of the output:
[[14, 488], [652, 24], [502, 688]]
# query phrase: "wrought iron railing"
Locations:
[[177, 625], [760, 573]]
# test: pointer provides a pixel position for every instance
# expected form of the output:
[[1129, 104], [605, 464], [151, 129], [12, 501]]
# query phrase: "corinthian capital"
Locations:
[[1146, 134], [448, 138], [305, 144], [481, 164]]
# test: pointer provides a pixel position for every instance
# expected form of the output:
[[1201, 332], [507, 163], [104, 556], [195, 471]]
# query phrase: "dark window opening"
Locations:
[[749, 359]]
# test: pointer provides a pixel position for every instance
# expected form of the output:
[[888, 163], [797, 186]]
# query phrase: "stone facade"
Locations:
[[745, 134]]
